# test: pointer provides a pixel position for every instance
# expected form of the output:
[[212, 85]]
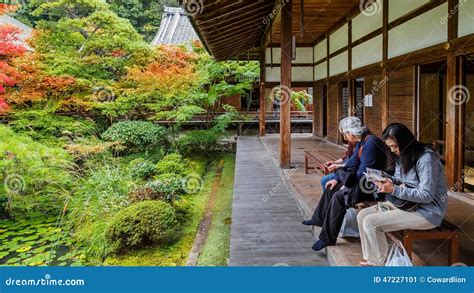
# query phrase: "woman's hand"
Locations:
[[385, 186], [330, 184], [340, 161], [334, 167]]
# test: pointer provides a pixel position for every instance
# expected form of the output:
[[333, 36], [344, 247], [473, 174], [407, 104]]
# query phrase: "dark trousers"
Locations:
[[330, 213]]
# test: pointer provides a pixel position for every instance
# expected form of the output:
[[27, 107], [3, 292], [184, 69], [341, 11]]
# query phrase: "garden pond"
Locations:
[[37, 240]]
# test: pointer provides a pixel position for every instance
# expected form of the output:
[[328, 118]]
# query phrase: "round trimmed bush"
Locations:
[[141, 135], [145, 223]]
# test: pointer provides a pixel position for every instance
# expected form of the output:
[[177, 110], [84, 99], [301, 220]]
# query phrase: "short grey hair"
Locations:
[[352, 125]]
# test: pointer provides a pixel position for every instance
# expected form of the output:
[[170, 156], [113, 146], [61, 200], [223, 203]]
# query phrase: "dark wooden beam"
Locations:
[[454, 110], [219, 39], [316, 100], [269, 26], [229, 12], [328, 50], [262, 94], [385, 73], [454, 141], [285, 107], [294, 65], [367, 37], [232, 24], [294, 84], [350, 46]]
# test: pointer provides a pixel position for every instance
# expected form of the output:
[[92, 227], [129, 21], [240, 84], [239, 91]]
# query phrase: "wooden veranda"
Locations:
[[382, 60]]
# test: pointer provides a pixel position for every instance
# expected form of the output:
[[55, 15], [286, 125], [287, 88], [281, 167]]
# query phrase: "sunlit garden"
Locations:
[[96, 163]]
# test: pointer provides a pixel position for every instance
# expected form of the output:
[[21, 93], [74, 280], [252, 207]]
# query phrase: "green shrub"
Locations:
[[34, 176], [142, 169], [153, 155], [198, 141], [47, 127], [137, 135], [168, 187], [173, 163], [145, 223]]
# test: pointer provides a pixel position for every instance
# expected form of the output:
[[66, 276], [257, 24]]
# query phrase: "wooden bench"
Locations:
[[446, 231], [319, 158]]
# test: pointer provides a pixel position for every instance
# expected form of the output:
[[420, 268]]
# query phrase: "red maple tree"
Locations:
[[11, 47], [8, 8]]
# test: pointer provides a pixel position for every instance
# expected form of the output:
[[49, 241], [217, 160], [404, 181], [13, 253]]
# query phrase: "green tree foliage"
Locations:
[[145, 16], [35, 177], [84, 39]]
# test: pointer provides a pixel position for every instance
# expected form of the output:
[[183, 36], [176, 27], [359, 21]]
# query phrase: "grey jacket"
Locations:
[[426, 186]]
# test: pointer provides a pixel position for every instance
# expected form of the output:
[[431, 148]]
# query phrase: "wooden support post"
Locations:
[[350, 83], [454, 118], [454, 141], [285, 107], [453, 250], [385, 73], [315, 107], [262, 94]]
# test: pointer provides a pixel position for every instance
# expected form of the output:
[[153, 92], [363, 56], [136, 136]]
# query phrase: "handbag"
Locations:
[[402, 204]]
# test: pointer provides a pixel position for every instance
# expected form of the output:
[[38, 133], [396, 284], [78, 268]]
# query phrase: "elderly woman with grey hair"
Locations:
[[370, 152]]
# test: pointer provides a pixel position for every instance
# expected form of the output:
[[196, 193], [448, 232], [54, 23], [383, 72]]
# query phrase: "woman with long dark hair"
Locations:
[[416, 194]]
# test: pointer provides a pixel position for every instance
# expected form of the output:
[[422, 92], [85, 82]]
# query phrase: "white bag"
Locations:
[[349, 226], [398, 256]]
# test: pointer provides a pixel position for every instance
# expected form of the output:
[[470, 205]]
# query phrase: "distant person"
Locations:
[[370, 152], [417, 194]]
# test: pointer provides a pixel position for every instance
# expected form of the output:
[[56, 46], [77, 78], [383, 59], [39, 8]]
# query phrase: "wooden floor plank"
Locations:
[[266, 221]]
